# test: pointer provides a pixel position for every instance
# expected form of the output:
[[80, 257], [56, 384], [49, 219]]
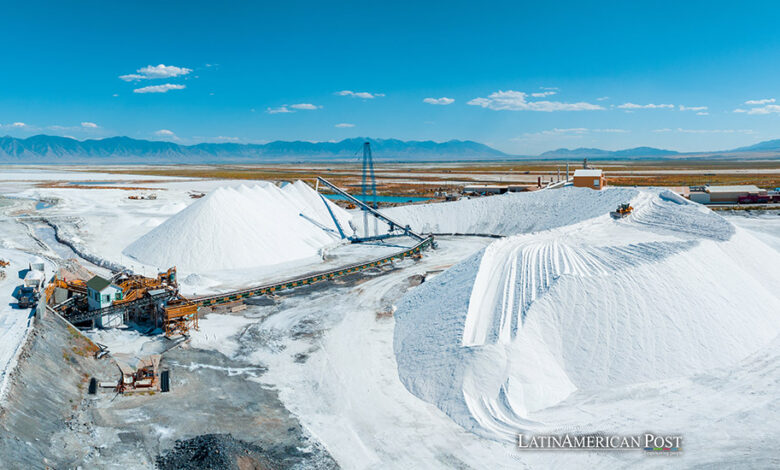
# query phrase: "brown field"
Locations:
[[423, 179]]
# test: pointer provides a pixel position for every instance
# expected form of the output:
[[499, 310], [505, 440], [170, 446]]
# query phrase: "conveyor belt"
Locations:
[[238, 295], [235, 296], [392, 223]]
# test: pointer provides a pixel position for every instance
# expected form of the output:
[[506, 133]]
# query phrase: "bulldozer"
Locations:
[[623, 210]]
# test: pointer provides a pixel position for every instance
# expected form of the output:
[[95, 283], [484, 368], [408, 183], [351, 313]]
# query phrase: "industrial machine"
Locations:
[[28, 296], [33, 283], [623, 210], [154, 301]]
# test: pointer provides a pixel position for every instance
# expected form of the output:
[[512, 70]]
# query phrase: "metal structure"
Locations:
[[144, 377], [179, 317], [135, 306], [142, 297], [393, 225], [368, 187], [155, 297], [180, 314]]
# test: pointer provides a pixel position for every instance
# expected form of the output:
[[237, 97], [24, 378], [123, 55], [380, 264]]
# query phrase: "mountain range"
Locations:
[[54, 149], [65, 150], [599, 153]]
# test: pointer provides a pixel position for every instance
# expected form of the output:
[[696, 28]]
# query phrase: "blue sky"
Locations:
[[524, 77]]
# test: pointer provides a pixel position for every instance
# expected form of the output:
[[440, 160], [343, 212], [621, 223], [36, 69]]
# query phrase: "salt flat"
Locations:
[[665, 321]]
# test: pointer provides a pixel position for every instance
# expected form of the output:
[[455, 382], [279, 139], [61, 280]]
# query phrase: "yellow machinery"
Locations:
[[180, 316], [623, 210], [76, 285], [145, 376], [135, 286]]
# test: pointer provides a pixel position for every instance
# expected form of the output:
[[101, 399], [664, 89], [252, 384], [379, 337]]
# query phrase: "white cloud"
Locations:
[[702, 113], [543, 94], [166, 134], [707, 131], [344, 125], [223, 138], [612, 131], [644, 106], [89, 125], [693, 108], [571, 130], [19, 125], [278, 110], [768, 109], [304, 106], [156, 71], [760, 102], [602, 98], [568, 132], [291, 108], [360, 94], [511, 100], [159, 88], [439, 101]]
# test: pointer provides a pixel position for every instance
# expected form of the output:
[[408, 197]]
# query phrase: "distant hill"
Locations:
[[54, 149], [769, 149], [599, 153], [46, 149], [765, 146]]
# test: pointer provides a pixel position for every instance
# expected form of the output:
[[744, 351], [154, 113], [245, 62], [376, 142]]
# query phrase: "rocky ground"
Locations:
[[213, 417]]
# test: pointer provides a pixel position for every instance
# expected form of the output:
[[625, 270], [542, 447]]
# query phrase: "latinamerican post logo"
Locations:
[[650, 443]]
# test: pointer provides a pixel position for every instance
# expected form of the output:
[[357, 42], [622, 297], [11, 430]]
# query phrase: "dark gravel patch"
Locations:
[[214, 451]]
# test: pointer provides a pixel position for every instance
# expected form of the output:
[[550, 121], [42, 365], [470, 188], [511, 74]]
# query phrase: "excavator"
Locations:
[[623, 210]]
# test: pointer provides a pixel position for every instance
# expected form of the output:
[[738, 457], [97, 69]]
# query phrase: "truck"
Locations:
[[30, 290], [28, 297], [753, 199]]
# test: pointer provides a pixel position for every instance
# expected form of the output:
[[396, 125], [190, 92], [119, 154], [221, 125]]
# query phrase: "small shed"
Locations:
[[699, 195], [589, 178], [102, 293], [731, 194]]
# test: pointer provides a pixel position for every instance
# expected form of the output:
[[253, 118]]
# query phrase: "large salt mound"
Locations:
[[242, 228], [508, 214], [671, 291]]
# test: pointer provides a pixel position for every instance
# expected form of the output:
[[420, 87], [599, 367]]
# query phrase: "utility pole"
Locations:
[[567, 171]]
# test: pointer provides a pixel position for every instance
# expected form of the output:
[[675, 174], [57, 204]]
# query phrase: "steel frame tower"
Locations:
[[369, 187]]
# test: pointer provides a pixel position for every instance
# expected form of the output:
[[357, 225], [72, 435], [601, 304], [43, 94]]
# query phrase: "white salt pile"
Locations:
[[242, 228], [509, 213], [517, 329]]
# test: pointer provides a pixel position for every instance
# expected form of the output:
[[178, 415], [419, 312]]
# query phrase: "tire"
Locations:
[[165, 381]]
